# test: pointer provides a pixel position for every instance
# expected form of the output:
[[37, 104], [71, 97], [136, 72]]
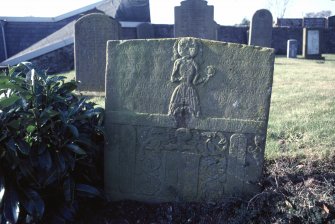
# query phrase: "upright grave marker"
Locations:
[[194, 18], [186, 119], [292, 48], [91, 35], [260, 33], [311, 44]]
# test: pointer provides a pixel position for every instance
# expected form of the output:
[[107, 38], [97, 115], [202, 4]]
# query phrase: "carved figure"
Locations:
[[184, 102]]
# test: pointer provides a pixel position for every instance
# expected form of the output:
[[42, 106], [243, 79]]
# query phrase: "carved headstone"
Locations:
[[186, 119], [292, 48], [91, 34], [260, 33], [311, 44], [194, 18], [145, 31]]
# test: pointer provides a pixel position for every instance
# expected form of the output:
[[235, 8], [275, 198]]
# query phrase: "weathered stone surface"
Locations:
[[194, 18], [91, 35], [292, 48], [186, 119], [260, 33], [311, 44], [145, 31]]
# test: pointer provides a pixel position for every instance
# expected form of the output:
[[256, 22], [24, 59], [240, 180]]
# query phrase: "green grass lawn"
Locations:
[[302, 114]]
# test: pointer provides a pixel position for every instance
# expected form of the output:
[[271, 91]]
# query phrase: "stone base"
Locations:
[[314, 56]]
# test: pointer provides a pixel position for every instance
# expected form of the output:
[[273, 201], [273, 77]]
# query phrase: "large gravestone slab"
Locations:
[[194, 18], [260, 33], [311, 44], [186, 119], [91, 34]]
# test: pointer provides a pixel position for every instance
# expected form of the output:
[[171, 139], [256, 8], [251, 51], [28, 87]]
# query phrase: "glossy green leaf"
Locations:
[[11, 205], [34, 204], [31, 128], [7, 102], [73, 130], [76, 149], [2, 188], [88, 191], [23, 146]]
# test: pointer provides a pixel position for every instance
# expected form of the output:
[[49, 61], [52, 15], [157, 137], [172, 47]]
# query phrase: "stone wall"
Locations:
[[163, 31], [58, 61], [280, 35], [21, 35], [233, 34]]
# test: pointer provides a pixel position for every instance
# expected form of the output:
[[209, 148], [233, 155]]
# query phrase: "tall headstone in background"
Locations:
[[311, 48], [260, 33], [145, 31], [194, 18], [191, 128], [292, 48], [91, 35]]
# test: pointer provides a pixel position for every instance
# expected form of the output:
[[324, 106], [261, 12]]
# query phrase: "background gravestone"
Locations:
[[260, 33], [91, 34], [145, 31], [194, 18], [311, 48], [292, 48], [186, 119]]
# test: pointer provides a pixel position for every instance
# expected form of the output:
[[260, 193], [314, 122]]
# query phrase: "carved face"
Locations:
[[187, 47]]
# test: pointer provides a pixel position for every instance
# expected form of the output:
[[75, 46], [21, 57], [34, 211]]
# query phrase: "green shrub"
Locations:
[[50, 144]]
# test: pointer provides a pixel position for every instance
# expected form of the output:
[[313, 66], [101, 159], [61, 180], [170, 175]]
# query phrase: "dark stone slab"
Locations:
[[186, 119], [194, 18], [312, 43], [260, 33], [91, 35]]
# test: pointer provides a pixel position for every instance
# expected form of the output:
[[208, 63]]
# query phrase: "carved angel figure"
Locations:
[[184, 100]]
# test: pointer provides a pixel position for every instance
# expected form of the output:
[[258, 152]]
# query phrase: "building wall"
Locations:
[[280, 35], [2, 49], [58, 61], [233, 34], [21, 35]]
